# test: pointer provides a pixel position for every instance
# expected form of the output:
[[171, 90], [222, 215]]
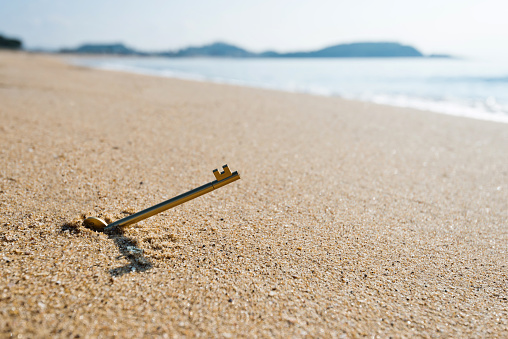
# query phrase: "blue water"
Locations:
[[469, 88]]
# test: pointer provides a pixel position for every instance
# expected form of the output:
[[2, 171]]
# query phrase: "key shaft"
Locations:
[[178, 200]]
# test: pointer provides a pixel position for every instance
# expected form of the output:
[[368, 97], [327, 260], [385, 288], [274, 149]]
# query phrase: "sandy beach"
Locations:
[[350, 220]]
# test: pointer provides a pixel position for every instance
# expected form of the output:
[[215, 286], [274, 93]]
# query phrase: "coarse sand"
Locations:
[[351, 219]]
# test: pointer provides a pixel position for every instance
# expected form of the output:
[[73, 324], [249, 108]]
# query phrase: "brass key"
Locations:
[[222, 178]]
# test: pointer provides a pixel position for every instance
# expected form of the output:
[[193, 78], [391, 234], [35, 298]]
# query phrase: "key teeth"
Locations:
[[217, 174], [227, 171], [222, 175]]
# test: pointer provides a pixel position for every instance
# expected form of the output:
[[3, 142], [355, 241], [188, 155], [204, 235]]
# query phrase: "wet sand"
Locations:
[[351, 219]]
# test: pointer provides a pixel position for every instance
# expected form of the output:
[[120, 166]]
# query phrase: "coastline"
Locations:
[[262, 74], [350, 218]]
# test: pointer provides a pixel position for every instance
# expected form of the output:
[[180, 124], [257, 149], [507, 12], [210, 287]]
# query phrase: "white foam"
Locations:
[[476, 110]]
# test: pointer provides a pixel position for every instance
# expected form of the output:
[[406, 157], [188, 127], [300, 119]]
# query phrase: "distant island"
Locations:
[[10, 43], [220, 49]]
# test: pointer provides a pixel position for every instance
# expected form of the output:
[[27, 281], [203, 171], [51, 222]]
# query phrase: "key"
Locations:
[[221, 179]]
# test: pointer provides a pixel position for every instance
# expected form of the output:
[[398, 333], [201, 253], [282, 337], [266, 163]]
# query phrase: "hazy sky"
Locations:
[[475, 28]]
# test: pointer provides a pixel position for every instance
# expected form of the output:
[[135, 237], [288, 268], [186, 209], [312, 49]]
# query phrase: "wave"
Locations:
[[498, 79], [480, 110], [476, 108]]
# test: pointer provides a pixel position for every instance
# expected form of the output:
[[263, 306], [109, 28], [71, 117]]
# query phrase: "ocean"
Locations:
[[475, 89]]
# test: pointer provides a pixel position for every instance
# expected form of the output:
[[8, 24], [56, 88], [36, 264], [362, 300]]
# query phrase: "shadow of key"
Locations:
[[128, 249]]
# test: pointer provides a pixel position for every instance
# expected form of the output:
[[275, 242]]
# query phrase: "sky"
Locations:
[[466, 28]]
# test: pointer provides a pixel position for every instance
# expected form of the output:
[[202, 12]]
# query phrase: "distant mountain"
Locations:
[[221, 49], [218, 49], [9, 43], [358, 50], [119, 49], [269, 54]]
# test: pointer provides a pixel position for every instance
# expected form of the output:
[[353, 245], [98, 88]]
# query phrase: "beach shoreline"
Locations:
[[351, 219], [453, 87]]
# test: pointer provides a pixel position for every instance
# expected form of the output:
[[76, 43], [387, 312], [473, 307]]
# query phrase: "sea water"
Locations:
[[469, 88]]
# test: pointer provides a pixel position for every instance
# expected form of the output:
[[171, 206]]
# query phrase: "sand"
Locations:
[[351, 219]]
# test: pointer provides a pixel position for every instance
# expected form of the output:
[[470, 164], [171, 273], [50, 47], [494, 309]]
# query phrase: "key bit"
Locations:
[[223, 175], [223, 178]]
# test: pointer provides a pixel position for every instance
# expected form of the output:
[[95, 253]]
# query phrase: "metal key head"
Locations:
[[224, 174]]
